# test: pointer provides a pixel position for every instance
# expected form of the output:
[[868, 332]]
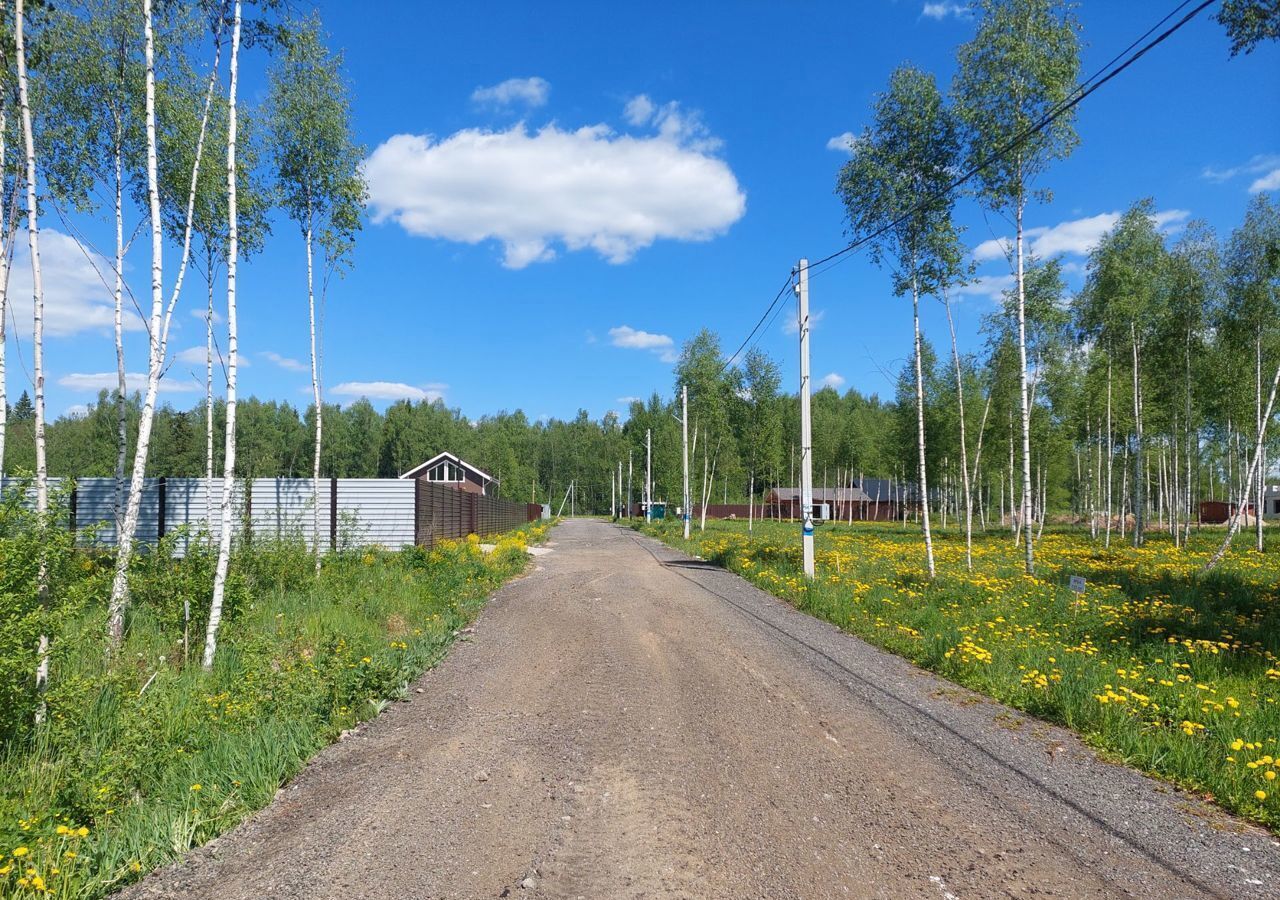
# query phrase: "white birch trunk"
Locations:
[[122, 388], [1261, 478], [1023, 399], [233, 250], [964, 449], [924, 481], [158, 326], [208, 405], [1254, 468], [6, 243], [1106, 542], [37, 342], [315, 396]]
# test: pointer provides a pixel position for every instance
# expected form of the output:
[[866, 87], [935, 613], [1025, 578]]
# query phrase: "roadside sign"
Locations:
[[1077, 584]]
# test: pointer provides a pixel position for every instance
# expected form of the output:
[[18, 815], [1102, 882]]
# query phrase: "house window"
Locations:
[[446, 471]]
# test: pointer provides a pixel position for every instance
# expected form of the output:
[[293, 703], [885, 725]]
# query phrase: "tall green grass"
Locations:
[[144, 755]]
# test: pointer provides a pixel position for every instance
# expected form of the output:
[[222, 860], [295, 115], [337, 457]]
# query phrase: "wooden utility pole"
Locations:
[[806, 421]]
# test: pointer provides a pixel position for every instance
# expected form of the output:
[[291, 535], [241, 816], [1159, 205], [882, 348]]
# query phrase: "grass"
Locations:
[[147, 756], [1157, 665]]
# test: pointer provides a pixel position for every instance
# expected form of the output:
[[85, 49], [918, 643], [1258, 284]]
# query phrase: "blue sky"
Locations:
[[563, 193]]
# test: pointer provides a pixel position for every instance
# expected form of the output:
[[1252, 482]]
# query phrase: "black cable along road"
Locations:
[[1083, 90]]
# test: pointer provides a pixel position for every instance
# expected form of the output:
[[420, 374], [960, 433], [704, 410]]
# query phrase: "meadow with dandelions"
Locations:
[[1155, 664], [145, 755]]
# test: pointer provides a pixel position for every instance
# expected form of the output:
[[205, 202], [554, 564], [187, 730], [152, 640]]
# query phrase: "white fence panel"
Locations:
[[376, 511]]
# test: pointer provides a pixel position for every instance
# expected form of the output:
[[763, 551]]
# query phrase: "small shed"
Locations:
[[1217, 512], [448, 470]]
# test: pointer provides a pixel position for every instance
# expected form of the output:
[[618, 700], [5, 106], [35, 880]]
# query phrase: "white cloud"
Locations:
[[1074, 237], [639, 110], [75, 296], [589, 188], [284, 362], [847, 142], [388, 390], [939, 11], [528, 91], [77, 410], [634, 339], [1262, 162], [832, 380], [627, 401], [1268, 182], [992, 286], [106, 381], [791, 324]]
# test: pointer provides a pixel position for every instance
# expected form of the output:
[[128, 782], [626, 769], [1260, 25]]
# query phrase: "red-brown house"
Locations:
[[448, 470]]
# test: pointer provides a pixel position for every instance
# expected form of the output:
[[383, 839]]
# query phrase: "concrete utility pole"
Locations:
[[619, 489], [628, 482], [613, 496], [648, 474], [684, 436], [806, 421]]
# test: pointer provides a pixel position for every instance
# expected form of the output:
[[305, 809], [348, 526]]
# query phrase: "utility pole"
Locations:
[[806, 421], [628, 482], [684, 437], [619, 511], [613, 495], [648, 474]]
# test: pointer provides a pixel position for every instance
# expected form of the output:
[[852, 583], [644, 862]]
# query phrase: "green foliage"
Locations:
[[150, 755], [1249, 23]]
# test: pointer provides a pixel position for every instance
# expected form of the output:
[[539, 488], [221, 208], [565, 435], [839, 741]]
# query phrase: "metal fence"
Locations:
[[445, 513], [353, 511]]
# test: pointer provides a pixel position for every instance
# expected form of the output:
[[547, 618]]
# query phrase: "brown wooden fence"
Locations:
[[445, 513]]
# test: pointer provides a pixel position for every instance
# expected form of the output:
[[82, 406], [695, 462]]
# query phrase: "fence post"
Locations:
[[333, 515], [160, 491], [71, 511]]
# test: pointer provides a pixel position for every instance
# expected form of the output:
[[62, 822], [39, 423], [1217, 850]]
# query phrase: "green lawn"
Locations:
[[1157, 665], [132, 770]]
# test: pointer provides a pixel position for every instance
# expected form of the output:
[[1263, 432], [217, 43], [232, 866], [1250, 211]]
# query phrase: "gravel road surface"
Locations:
[[627, 722]]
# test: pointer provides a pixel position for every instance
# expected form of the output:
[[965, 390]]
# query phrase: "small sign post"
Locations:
[[1077, 584]]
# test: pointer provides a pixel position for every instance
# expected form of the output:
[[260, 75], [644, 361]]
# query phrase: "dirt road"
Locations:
[[625, 722]]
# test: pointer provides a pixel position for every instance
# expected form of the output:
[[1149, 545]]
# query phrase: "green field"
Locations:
[[1156, 665], [146, 756]]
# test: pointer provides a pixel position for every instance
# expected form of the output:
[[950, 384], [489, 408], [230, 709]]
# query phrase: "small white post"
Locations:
[[648, 474]]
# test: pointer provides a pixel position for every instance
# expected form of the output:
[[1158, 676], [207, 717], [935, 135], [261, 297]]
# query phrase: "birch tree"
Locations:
[[908, 155], [1022, 63], [316, 161], [229, 453], [37, 332], [159, 321]]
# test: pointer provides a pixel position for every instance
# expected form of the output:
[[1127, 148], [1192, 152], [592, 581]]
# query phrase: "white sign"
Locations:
[[1077, 584]]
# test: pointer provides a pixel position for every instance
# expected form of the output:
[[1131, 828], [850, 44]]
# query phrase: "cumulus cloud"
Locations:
[[846, 142], [832, 380], [1268, 182], [530, 92], [627, 401], [388, 390], [76, 299], [639, 110], [284, 362], [77, 411], [634, 339], [106, 381], [587, 188], [939, 11], [1074, 237], [992, 286]]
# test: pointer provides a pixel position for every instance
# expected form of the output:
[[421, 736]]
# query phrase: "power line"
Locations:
[[1081, 91], [1084, 89]]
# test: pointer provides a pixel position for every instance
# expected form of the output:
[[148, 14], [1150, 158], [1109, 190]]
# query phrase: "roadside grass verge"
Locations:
[[146, 756], [1156, 665]]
